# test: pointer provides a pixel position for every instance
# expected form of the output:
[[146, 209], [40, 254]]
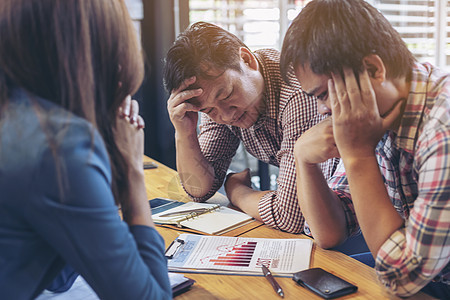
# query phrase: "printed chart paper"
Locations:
[[238, 255]]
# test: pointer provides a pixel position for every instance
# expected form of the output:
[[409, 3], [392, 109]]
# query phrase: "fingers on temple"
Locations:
[[179, 97], [189, 94], [334, 101], [367, 93], [185, 84], [352, 88], [341, 92]]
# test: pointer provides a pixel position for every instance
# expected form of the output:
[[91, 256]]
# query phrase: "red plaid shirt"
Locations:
[[289, 113], [415, 164]]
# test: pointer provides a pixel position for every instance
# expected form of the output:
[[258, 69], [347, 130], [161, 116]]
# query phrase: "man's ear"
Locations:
[[375, 67], [249, 58]]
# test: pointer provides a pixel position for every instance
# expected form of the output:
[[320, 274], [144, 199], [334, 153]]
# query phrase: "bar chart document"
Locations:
[[238, 255]]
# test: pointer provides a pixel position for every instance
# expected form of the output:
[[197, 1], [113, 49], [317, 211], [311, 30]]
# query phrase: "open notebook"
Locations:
[[204, 217]]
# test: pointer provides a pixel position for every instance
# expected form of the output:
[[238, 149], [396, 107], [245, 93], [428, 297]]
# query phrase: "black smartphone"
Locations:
[[156, 202], [323, 283], [162, 204]]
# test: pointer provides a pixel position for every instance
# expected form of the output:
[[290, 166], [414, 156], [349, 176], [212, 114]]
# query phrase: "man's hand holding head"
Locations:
[[357, 122], [182, 113]]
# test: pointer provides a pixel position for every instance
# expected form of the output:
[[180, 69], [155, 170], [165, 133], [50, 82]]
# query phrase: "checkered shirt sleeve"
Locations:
[[339, 184], [218, 145], [280, 208]]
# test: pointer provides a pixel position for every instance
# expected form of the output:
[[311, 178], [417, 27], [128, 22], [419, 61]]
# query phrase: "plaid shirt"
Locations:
[[289, 112], [415, 164]]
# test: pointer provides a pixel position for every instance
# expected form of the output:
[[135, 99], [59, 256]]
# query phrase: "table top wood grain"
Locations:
[[164, 182]]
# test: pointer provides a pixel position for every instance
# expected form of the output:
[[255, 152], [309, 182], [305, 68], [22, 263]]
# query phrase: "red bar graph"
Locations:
[[239, 256]]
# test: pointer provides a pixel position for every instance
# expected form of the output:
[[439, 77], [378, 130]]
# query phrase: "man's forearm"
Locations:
[[196, 174], [240, 193], [320, 206]]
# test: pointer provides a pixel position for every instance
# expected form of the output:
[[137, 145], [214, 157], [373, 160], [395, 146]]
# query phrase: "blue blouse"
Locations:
[[56, 207]]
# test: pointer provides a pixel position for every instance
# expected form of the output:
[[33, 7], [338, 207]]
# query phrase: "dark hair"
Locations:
[[332, 34], [73, 53], [200, 48]]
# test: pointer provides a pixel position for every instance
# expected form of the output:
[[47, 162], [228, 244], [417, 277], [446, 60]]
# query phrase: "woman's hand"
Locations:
[[129, 137], [129, 134]]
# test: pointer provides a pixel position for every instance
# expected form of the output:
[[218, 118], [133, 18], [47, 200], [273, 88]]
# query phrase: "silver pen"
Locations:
[[272, 281], [186, 212]]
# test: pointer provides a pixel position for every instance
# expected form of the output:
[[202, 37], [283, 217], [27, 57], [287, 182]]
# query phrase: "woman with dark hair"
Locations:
[[71, 149]]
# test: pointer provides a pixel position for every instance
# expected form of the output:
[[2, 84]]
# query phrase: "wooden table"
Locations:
[[164, 182]]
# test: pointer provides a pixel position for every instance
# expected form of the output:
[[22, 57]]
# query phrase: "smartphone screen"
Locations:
[[156, 202]]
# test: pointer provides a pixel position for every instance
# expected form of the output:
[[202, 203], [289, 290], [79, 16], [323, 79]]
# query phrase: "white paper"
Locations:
[[81, 290], [176, 279], [239, 255]]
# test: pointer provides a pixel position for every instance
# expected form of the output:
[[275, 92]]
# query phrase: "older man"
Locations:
[[241, 97]]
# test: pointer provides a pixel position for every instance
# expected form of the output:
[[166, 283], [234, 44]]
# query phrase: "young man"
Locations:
[[390, 122], [242, 97]]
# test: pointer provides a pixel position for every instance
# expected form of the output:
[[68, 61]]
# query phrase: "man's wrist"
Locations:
[[300, 163], [358, 163], [241, 192], [185, 135]]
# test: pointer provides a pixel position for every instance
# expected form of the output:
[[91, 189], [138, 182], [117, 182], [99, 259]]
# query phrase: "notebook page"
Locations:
[[217, 220]]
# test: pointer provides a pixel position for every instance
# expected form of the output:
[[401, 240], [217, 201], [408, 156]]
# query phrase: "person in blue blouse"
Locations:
[[71, 147]]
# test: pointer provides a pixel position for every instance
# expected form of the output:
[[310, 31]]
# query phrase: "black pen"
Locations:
[[272, 281]]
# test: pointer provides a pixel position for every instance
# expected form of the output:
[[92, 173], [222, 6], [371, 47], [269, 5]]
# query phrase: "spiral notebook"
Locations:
[[203, 217]]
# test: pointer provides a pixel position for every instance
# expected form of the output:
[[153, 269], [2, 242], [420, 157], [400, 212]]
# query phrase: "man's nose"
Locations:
[[227, 114]]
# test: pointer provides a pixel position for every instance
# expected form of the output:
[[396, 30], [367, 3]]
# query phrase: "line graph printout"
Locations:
[[239, 255]]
